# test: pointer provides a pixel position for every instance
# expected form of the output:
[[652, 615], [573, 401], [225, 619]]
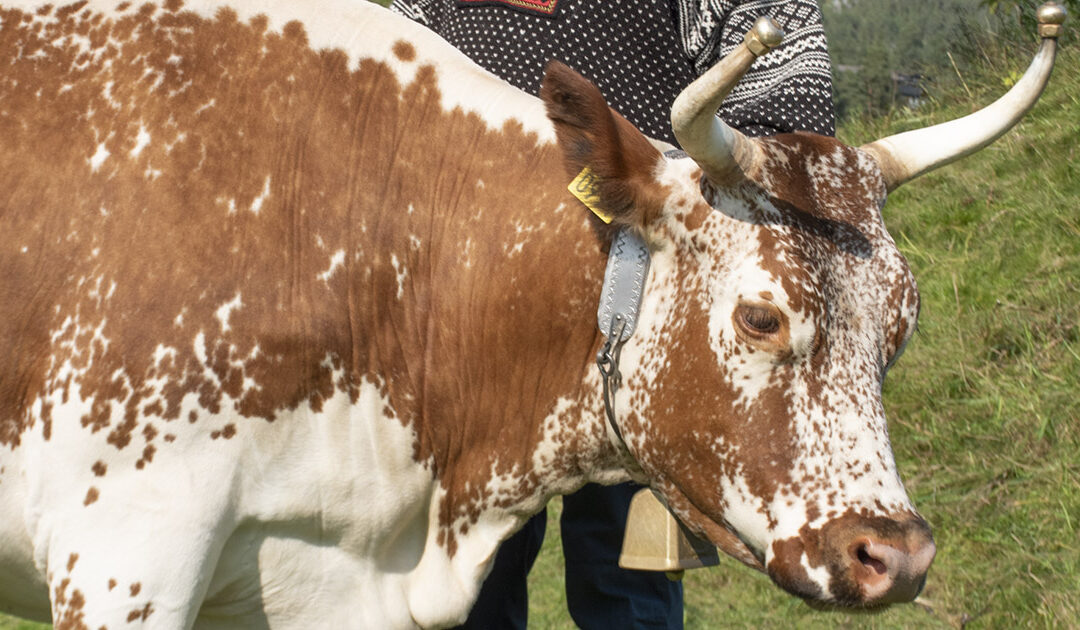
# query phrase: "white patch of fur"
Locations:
[[225, 310], [142, 140], [337, 260], [205, 106], [99, 157], [163, 352], [789, 510], [466, 255], [818, 575], [260, 199], [400, 272], [745, 513], [106, 93], [442, 588], [199, 347]]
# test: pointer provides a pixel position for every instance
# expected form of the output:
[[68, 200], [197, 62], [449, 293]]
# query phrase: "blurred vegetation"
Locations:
[[871, 39], [1024, 10], [13, 623], [935, 42]]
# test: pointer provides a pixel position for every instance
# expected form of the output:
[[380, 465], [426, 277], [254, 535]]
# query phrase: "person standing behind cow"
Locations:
[[640, 54]]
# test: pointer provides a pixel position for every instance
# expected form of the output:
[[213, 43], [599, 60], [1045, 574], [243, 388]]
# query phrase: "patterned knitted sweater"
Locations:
[[641, 53]]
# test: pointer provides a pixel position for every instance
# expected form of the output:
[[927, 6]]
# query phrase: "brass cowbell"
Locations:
[[656, 541]]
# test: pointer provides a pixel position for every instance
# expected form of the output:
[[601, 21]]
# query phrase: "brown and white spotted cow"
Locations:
[[298, 322]]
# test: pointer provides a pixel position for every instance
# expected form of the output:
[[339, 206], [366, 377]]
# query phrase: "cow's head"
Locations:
[[778, 302]]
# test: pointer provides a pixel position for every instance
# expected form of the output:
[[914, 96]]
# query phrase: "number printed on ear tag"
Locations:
[[584, 188]]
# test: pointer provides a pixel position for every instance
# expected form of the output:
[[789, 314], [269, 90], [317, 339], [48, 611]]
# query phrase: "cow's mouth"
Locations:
[[870, 562]]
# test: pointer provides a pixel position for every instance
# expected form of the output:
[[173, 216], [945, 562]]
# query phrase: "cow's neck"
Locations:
[[484, 295], [483, 305]]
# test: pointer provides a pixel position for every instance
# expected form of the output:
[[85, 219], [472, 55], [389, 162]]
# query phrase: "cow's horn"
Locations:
[[722, 152], [905, 156]]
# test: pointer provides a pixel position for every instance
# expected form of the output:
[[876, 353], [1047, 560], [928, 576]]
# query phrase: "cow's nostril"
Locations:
[[869, 561]]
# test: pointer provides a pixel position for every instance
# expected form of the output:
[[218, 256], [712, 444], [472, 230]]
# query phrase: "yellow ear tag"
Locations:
[[584, 188]]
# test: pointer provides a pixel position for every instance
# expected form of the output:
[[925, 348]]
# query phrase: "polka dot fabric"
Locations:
[[641, 53]]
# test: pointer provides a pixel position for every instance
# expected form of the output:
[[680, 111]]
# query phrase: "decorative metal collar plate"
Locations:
[[624, 283]]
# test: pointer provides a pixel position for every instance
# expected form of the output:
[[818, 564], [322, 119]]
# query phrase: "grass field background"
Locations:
[[983, 407]]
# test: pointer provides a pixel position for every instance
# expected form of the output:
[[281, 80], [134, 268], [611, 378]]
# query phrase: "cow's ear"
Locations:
[[618, 162]]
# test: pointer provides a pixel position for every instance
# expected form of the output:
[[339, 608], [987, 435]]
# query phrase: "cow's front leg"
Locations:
[[104, 573], [127, 548]]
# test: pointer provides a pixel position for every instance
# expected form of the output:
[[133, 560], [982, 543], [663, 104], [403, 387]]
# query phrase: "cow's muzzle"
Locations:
[[856, 561]]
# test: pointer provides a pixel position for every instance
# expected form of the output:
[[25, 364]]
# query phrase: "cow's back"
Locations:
[[225, 240]]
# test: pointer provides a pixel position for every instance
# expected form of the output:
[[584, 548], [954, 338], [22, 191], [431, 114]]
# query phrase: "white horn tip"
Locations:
[[764, 36], [1051, 16]]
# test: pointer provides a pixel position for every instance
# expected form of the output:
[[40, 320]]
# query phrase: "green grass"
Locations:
[[12, 623], [984, 406]]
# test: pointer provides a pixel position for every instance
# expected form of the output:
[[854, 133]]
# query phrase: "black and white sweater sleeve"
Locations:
[[790, 89], [641, 53]]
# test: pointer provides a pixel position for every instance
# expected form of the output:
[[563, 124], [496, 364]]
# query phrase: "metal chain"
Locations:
[[608, 362]]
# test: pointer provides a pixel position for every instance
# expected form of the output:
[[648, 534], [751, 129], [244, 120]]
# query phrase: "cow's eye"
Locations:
[[759, 320], [762, 325]]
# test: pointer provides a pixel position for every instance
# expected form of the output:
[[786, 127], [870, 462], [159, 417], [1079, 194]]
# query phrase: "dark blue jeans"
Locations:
[[599, 594]]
